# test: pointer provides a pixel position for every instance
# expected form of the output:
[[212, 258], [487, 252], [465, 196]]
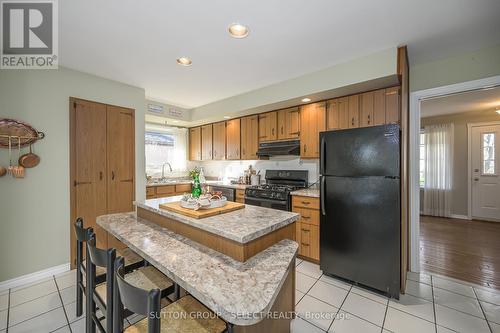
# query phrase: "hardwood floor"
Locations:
[[461, 249]]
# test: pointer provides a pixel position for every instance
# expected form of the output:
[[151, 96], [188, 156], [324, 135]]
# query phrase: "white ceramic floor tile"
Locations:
[[459, 321], [135, 318], [420, 290], [78, 326], [64, 329], [492, 312], [66, 280], [402, 322], [32, 292], [415, 306], [310, 269], [32, 284], [347, 323], [46, 322], [495, 328], [441, 329], [34, 308], [335, 282], [303, 282], [328, 293], [68, 295], [298, 296], [301, 326], [458, 302], [453, 286], [298, 261], [419, 277], [71, 312], [317, 312], [3, 319], [488, 296], [4, 302], [369, 294], [365, 308]]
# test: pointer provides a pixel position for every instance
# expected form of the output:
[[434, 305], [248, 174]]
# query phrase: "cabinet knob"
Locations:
[[272, 132], [368, 119], [281, 129], [305, 148], [352, 121]]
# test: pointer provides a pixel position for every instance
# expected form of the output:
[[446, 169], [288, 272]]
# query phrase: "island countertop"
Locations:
[[241, 226], [238, 292]]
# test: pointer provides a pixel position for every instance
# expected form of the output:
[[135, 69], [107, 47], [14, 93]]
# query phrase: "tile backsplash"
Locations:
[[227, 170]]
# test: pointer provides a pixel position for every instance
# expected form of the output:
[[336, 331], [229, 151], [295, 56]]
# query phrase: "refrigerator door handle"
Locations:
[[322, 195], [322, 156]]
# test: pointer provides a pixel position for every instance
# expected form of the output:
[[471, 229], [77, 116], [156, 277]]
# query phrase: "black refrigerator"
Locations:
[[360, 206]]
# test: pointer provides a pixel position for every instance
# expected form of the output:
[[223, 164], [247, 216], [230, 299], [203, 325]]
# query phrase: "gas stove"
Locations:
[[276, 192]]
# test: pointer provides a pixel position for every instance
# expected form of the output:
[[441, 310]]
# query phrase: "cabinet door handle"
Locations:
[[368, 119], [304, 244], [306, 217], [272, 132], [81, 183], [305, 148], [352, 121], [305, 230], [306, 203], [100, 175], [281, 129], [112, 175]]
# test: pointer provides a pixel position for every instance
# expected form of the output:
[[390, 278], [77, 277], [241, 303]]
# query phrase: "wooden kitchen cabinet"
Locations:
[[195, 144], [307, 227], [312, 121], [162, 191], [233, 139], [219, 141], [379, 107], [337, 114], [206, 142], [249, 137], [267, 126], [392, 105], [240, 196], [353, 111], [288, 124], [366, 111]]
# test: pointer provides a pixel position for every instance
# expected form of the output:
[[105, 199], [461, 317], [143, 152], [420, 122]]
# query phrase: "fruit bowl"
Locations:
[[203, 202]]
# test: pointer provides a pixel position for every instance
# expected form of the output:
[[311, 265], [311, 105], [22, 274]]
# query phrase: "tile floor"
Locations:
[[431, 304]]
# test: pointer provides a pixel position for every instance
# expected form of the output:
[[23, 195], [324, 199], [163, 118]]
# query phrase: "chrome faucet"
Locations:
[[163, 169]]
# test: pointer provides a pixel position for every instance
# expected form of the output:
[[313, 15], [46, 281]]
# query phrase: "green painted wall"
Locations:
[[465, 67], [34, 212]]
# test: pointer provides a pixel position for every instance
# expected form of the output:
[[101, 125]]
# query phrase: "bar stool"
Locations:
[[175, 317], [101, 296], [132, 261]]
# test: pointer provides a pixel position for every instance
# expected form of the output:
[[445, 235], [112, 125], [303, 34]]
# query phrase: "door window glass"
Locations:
[[488, 143]]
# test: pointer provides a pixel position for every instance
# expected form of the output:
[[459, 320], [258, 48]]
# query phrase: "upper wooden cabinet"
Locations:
[[195, 144], [353, 111], [206, 142], [379, 107], [288, 124], [312, 121], [392, 105], [338, 113], [233, 139], [249, 137], [366, 109], [267, 126], [219, 141]]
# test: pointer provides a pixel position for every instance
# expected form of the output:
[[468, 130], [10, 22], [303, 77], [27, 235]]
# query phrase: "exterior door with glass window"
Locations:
[[485, 141]]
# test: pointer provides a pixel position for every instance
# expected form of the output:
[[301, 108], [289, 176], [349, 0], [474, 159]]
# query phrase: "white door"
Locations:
[[485, 142]]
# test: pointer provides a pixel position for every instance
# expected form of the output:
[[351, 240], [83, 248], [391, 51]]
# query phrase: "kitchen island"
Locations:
[[240, 292]]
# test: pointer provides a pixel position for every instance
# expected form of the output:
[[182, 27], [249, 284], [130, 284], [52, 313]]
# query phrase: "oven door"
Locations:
[[268, 203]]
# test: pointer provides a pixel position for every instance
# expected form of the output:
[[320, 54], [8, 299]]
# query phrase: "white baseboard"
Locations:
[[33, 277], [458, 216]]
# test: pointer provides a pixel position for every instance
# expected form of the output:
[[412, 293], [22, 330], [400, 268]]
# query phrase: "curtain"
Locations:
[[438, 169]]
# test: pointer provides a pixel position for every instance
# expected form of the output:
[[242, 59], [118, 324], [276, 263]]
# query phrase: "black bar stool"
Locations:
[[101, 296], [175, 317], [132, 261]]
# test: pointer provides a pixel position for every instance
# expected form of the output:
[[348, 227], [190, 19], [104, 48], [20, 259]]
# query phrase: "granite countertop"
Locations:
[[237, 291], [307, 192], [242, 226], [209, 182]]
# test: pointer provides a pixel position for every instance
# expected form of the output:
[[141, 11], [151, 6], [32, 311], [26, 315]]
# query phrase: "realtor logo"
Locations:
[[29, 34]]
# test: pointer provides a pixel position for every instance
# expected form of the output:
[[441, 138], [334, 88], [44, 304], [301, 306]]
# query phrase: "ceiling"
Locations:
[[478, 100], [137, 42]]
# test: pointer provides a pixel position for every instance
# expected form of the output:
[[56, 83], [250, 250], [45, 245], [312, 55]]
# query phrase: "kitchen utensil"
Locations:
[[18, 171], [29, 160], [255, 179], [9, 169]]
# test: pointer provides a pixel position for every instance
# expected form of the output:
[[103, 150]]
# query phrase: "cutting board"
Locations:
[[201, 213]]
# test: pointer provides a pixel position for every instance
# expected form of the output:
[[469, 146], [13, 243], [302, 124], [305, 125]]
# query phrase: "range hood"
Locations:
[[279, 148]]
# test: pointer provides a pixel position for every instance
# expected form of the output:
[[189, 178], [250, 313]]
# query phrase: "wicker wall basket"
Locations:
[[16, 129]]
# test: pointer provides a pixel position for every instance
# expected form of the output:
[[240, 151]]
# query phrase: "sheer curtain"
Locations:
[[438, 169]]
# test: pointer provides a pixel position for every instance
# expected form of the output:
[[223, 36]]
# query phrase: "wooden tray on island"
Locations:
[[201, 213]]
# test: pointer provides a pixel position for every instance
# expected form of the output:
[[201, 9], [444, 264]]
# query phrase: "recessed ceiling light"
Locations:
[[184, 61], [237, 30], [497, 111], [305, 100], [227, 117], [175, 121]]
